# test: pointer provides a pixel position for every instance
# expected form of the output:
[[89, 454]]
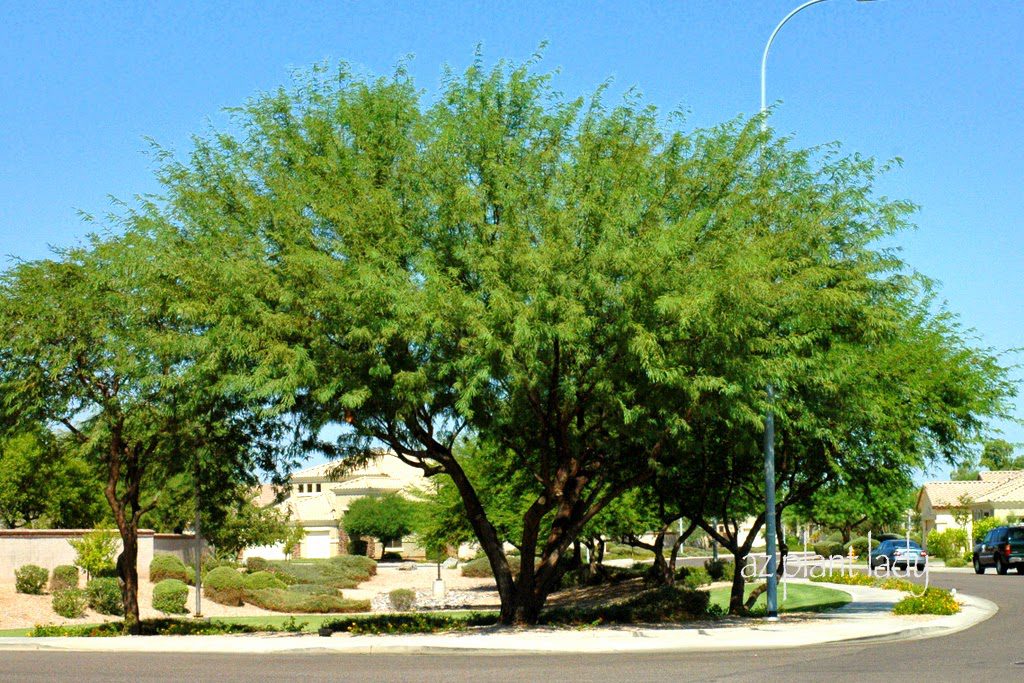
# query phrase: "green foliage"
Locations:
[[279, 600], [169, 596], [224, 585], [389, 516], [860, 546], [43, 481], [998, 455], [391, 557], [718, 569], [424, 622], [63, 576], [151, 627], [878, 500], [694, 577], [982, 526], [256, 564], [829, 548], [934, 601], [947, 544], [343, 571], [314, 589], [479, 568], [69, 603], [30, 579], [104, 595], [259, 580], [246, 525], [94, 552], [402, 599], [165, 566], [956, 562]]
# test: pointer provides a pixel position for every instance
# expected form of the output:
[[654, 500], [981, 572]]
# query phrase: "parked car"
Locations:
[[1002, 548], [898, 553]]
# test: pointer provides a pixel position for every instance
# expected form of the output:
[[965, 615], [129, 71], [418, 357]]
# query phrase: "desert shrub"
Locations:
[[860, 546], [694, 577], [64, 576], [658, 605], [934, 601], [256, 564], [980, 528], [279, 600], [224, 585], [718, 569], [956, 562], [402, 599], [261, 580], [30, 579], [69, 603], [829, 548], [343, 571], [169, 596], [164, 566], [209, 563], [946, 544], [94, 552], [391, 557], [104, 595]]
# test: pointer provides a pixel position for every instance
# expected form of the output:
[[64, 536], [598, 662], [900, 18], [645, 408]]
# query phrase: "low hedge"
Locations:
[[104, 596], [69, 603], [169, 596], [694, 577], [343, 571], [64, 576], [829, 548], [224, 585], [424, 622], [665, 604], [480, 568], [278, 600], [313, 589], [30, 579]]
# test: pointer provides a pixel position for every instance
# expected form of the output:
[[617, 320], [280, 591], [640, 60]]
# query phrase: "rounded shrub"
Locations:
[[104, 596], [391, 557], [314, 589], [30, 579], [694, 577], [224, 585], [256, 564], [718, 569], [860, 546], [69, 603], [64, 576], [478, 569], [260, 580], [165, 566], [169, 596], [402, 599], [287, 601]]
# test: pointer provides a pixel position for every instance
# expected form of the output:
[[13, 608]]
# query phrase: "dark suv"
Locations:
[[1001, 548]]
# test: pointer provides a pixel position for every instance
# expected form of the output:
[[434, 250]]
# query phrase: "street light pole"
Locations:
[[769, 417]]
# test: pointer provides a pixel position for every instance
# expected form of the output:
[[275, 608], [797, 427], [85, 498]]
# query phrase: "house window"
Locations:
[[318, 488]]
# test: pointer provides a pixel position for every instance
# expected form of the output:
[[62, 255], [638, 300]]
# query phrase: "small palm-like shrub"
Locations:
[[69, 603], [104, 596], [402, 599], [64, 576], [30, 579], [169, 596], [224, 585]]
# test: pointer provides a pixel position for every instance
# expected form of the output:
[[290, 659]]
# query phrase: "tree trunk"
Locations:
[[736, 605], [128, 573]]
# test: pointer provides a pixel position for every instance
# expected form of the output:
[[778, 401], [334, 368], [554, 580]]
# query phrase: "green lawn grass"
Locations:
[[15, 633], [801, 597]]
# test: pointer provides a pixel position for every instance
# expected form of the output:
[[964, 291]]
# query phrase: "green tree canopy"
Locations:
[[386, 517]]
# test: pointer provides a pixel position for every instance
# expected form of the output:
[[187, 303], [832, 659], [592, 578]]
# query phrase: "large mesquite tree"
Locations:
[[594, 296]]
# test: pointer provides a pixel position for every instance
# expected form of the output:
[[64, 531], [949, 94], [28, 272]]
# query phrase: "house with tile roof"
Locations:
[[995, 494], [317, 498]]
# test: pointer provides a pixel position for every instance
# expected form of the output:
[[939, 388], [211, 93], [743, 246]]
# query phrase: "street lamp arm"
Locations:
[[768, 45]]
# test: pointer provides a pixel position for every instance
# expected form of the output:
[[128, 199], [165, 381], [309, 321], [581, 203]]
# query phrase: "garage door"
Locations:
[[317, 544]]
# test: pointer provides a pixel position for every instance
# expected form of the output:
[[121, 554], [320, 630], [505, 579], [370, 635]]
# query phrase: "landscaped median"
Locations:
[[921, 600]]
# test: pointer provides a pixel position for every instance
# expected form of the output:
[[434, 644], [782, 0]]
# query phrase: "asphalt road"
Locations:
[[989, 651]]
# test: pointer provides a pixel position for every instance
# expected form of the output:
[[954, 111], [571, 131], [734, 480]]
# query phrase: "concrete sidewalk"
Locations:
[[867, 617]]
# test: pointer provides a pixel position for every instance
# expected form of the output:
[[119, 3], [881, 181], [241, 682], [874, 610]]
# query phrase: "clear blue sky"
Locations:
[[936, 82]]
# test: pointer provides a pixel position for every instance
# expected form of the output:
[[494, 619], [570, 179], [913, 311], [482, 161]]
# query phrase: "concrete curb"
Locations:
[[866, 619]]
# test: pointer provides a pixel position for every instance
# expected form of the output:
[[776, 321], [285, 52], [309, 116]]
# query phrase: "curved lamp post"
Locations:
[[769, 418]]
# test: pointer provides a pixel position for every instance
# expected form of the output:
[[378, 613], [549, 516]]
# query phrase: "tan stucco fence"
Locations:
[[49, 548]]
